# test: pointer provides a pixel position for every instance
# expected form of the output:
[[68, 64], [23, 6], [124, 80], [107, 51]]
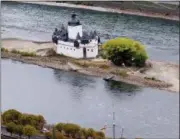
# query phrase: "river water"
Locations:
[[37, 22], [70, 97]]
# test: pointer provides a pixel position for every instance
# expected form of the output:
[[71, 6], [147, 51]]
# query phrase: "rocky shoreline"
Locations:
[[62, 63]]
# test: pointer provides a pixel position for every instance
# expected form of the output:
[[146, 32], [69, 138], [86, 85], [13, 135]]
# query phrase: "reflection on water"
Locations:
[[122, 87], [79, 82]]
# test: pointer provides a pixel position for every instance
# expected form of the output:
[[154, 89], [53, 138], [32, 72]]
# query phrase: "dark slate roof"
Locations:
[[74, 21]]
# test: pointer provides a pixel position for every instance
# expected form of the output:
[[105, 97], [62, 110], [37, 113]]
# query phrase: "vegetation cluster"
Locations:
[[29, 125], [125, 51]]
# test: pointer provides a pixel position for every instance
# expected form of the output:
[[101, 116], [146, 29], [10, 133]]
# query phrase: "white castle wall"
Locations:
[[91, 52], [67, 49], [74, 30]]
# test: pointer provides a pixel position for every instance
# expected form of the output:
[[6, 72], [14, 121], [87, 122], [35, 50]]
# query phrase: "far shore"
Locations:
[[161, 75], [111, 10]]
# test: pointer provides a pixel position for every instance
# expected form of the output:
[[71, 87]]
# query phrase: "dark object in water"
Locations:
[[108, 78]]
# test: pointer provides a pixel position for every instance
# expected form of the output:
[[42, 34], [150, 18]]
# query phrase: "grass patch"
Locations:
[[4, 49], [104, 66], [81, 63], [23, 53], [86, 64], [123, 73]]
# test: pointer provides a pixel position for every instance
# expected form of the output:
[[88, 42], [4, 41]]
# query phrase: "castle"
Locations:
[[74, 42]]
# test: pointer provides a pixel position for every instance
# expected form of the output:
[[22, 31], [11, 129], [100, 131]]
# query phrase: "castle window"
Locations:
[[87, 49], [91, 50], [74, 49]]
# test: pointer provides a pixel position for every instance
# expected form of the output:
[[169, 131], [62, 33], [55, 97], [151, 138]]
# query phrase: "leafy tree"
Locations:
[[29, 131], [83, 133], [28, 119], [125, 51], [19, 130], [40, 122], [11, 127], [71, 129], [11, 116], [33, 120], [91, 133], [60, 126]]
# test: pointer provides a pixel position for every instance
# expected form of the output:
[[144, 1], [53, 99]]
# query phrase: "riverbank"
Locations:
[[112, 10], [160, 75]]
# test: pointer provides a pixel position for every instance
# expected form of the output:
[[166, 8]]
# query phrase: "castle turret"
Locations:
[[74, 27]]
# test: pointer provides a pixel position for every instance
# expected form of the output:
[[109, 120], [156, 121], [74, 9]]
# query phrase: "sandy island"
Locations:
[[160, 75]]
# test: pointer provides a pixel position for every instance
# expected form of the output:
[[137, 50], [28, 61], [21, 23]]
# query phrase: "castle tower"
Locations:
[[74, 27]]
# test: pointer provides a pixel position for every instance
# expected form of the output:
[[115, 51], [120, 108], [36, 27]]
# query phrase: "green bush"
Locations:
[[19, 130], [4, 49], [37, 121], [71, 129], [123, 73], [125, 51], [29, 131], [11, 127], [23, 53]]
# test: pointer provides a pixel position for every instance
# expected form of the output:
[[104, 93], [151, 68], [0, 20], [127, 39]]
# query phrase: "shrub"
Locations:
[[104, 66], [71, 129], [11, 127], [14, 51], [125, 51], [4, 49], [123, 73], [27, 53], [29, 131], [19, 130], [23, 53]]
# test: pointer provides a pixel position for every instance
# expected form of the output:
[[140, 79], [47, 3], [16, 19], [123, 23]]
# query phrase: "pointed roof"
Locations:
[[74, 21]]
